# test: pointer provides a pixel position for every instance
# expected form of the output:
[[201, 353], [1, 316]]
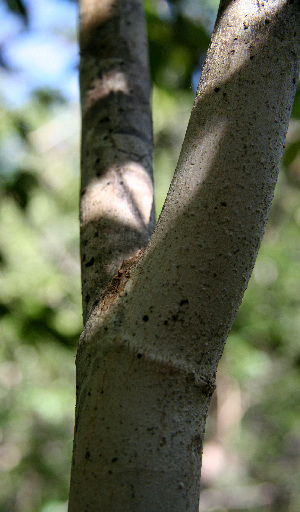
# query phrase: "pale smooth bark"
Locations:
[[148, 356], [116, 208]]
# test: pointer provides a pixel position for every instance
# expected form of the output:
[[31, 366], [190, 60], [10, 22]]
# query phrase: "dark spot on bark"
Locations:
[[98, 160], [224, 94], [110, 472], [267, 21], [165, 322], [145, 318], [189, 378], [139, 356], [89, 393], [252, 57], [294, 81], [183, 301], [216, 89], [121, 182], [197, 442], [77, 387], [87, 298], [223, 203], [105, 120], [96, 234], [214, 274], [87, 455], [90, 263], [114, 459]]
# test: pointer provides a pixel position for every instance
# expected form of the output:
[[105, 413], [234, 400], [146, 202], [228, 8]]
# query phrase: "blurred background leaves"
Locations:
[[251, 456]]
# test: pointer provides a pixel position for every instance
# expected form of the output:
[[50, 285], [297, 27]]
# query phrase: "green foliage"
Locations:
[[252, 450], [40, 316]]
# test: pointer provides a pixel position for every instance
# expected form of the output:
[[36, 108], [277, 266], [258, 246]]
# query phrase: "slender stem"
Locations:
[[116, 207]]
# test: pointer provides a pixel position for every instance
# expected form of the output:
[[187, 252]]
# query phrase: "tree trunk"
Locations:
[[148, 356]]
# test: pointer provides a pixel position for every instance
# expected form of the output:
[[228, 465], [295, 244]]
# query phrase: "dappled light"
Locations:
[[131, 202], [251, 454], [112, 81], [92, 13]]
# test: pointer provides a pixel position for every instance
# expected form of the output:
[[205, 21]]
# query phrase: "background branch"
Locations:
[[117, 207]]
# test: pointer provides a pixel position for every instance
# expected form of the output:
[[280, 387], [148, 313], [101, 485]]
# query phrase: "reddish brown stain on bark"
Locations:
[[118, 282]]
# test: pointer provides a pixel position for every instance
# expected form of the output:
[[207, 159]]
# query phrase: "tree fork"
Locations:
[[149, 352]]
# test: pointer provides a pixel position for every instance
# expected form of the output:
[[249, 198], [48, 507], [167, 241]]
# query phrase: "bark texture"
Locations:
[[116, 208], [148, 356]]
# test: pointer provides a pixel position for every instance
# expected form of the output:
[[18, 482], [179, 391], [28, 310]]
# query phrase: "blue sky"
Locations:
[[45, 54]]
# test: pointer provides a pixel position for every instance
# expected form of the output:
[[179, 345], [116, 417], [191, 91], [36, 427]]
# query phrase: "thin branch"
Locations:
[[117, 207]]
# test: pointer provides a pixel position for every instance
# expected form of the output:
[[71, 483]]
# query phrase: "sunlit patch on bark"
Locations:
[[93, 13], [131, 199], [111, 81], [247, 18]]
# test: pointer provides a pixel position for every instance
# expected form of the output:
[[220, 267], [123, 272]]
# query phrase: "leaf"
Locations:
[[18, 7]]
